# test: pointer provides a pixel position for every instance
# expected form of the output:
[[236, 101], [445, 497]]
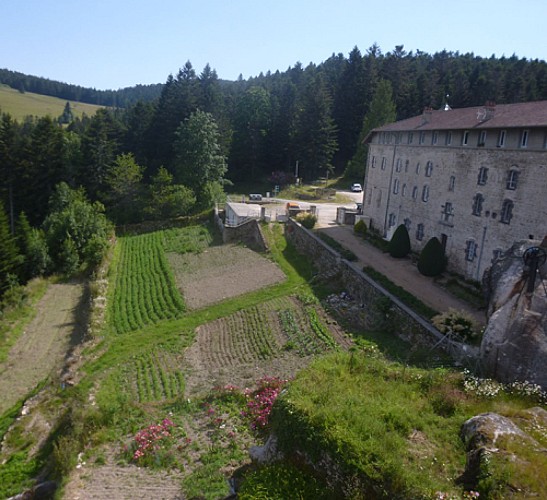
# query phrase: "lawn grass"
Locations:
[[19, 105]]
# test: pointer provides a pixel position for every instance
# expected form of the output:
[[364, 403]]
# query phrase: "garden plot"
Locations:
[[275, 338], [221, 272]]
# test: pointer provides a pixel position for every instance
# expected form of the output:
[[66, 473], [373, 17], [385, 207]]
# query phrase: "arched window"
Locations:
[[415, 192], [425, 193], [396, 186], [512, 179], [420, 232], [428, 169]]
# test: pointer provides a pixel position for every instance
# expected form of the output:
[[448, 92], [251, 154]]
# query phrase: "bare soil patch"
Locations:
[[221, 272], [41, 349]]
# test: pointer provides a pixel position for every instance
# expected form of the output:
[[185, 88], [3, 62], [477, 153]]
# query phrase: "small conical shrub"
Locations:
[[432, 260], [399, 245], [360, 228]]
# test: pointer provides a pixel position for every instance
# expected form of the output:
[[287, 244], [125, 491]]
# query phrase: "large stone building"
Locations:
[[476, 178]]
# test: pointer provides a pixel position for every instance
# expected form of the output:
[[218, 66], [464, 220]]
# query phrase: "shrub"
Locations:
[[360, 228], [399, 245], [432, 260], [459, 323], [307, 219]]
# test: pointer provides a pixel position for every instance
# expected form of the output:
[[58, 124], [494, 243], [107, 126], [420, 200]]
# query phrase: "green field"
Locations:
[[19, 105]]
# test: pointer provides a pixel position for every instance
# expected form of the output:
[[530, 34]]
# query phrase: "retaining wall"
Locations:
[[382, 309]]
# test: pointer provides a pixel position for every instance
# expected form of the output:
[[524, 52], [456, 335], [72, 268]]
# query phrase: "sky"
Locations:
[[111, 44]]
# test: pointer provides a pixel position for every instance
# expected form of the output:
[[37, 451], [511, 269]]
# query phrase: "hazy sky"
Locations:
[[109, 44]]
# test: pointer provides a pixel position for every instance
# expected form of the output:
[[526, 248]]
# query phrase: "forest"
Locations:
[[169, 150]]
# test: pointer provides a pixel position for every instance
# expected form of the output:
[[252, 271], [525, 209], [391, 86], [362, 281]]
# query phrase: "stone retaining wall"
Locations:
[[382, 309], [248, 233]]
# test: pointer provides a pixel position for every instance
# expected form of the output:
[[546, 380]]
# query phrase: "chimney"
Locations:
[[490, 108], [427, 114]]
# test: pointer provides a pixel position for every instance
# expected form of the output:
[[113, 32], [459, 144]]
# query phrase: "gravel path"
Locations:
[[401, 272]]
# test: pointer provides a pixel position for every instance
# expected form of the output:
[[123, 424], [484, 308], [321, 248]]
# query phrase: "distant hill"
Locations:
[[120, 98], [19, 105]]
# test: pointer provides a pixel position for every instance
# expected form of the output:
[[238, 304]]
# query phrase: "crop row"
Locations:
[[145, 290], [156, 380], [320, 329], [299, 334]]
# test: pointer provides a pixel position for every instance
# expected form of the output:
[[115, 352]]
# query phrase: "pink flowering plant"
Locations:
[[151, 445], [261, 400]]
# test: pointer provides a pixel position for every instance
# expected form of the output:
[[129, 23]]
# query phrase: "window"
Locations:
[[422, 137], [384, 138], [512, 179], [482, 138], [384, 162], [373, 162], [379, 199], [420, 232], [407, 222], [477, 204], [396, 186], [451, 183], [398, 137], [501, 139], [483, 176], [392, 220], [496, 254], [415, 192], [428, 168], [506, 212], [465, 138], [410, 137], [524, 139], [425, 193], [448, 211], [434, 137], [399, 165], [448, 138], [417, 168], [403, 190], [470, 250], [407, 162]]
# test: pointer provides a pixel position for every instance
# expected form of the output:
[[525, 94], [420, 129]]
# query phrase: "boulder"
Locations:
[[514, 344]]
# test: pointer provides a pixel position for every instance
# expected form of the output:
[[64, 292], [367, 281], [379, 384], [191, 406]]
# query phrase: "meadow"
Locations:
[[19, 105]]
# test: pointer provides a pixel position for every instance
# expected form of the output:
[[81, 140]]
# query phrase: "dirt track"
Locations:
[[43, 345]]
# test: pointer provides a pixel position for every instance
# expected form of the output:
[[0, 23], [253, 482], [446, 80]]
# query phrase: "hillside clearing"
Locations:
[[19, 105]]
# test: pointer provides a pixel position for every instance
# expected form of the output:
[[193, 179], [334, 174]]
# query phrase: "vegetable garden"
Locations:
[[144, 290]]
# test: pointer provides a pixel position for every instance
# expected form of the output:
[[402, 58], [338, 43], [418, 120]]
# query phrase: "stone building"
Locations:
[[476, 178]]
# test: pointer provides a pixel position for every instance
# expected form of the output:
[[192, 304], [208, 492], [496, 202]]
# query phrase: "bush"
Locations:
[[360, 228], [307, 219], [432, 260], [399, 245], [459, 323]]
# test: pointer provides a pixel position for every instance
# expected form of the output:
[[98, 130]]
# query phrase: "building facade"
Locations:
[[476, 178]]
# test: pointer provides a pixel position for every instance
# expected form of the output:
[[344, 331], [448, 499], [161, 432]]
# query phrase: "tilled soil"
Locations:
[[44, 343]]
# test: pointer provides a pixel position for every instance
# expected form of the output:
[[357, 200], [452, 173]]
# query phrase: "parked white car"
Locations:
[[356, 187]]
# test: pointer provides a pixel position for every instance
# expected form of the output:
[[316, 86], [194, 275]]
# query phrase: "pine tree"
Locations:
[[10, 258], [382, 110]]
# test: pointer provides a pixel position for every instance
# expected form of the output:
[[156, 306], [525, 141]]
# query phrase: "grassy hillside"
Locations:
[[19, 105]]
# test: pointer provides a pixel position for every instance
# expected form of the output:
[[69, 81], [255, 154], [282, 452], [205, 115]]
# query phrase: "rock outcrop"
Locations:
[[514, 345]]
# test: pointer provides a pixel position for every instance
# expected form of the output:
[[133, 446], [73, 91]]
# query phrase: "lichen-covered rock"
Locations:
[[514, 344]]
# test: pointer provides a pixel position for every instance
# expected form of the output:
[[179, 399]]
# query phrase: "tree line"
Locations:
[[173, 154]]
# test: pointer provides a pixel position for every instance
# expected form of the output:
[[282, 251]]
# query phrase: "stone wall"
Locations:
[[382, 309], [248, 233]]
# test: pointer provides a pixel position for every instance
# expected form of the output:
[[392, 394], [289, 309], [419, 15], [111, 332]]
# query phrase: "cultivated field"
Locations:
[[41, 348], [275, 338], [221, 272]]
